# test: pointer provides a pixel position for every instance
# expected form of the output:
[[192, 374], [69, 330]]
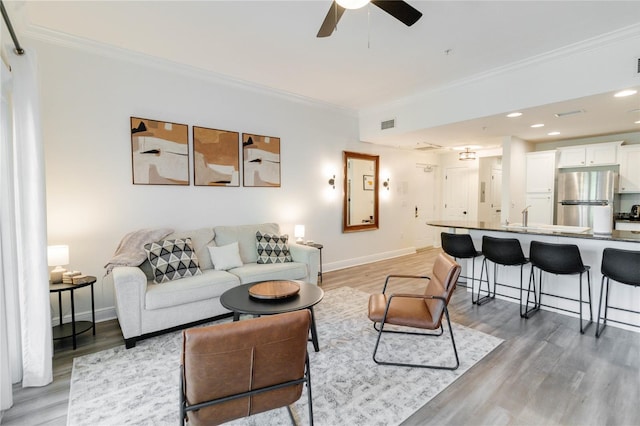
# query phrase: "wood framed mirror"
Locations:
[[361, 185]]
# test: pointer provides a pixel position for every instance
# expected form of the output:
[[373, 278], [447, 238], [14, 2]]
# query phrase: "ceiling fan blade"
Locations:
[[331, 20], [400, 10]]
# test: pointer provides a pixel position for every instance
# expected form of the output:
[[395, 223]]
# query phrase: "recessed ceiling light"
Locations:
[[514, 114], [553, 133], [636, 122], [623, 93], [535, 126]]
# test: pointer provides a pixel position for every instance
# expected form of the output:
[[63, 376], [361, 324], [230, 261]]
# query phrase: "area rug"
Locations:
[[141, 386]]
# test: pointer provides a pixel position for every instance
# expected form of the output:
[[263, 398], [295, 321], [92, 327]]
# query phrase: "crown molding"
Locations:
[[93, 47]]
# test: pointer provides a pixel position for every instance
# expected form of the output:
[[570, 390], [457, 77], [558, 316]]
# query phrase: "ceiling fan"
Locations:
[[400, 10]]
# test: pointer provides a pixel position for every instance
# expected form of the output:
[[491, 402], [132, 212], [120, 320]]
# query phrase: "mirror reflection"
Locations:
[[361, 179]]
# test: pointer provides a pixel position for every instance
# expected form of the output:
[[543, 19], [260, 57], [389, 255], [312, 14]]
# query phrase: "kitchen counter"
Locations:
[[552, 230], [591, 247]]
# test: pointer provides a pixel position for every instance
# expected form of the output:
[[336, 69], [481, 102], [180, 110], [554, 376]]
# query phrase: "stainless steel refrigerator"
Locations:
[[580, 191]]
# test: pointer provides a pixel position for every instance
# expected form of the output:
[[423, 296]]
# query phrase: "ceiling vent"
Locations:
[[567, 113], [427, 147], [388, 124]]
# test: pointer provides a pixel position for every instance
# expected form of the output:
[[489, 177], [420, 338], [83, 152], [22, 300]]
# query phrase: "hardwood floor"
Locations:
[[545, 372]]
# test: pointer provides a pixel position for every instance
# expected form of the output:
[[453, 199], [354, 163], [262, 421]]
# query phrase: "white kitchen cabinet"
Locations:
[[541, 172], [541, 210], [598, 154], [572, 157], [629, 168]]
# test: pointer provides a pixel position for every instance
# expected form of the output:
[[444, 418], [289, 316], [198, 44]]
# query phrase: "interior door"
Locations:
[[424, 209], [456, 194], [496, 195]]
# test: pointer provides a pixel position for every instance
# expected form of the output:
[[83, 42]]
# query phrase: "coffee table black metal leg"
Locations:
[[314, 332], [236, 316]]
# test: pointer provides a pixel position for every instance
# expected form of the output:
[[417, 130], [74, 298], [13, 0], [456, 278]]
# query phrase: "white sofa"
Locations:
[[145, 308]]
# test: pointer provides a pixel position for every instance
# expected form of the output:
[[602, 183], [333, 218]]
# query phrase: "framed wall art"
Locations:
[[368, 183], [260, 160], [159, 152], [216, 157]]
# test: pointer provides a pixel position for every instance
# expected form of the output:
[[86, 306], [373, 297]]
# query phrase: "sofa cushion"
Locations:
[[208, 285], [255, 272], [172, 260], [245, 235], [272, 248], [200, 239], [225, 257]]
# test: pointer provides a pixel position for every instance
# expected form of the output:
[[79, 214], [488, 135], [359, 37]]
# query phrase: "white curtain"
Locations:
[[25, 330]]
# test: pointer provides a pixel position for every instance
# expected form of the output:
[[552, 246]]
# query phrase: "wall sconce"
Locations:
[[57, 256], [332, 181], [298, 232], [386, 184]]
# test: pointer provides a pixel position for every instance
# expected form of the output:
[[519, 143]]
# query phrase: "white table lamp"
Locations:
[[298, 232], [57, 256]]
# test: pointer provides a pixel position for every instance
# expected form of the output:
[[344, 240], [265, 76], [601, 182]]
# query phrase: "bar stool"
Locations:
[[460, 246], [622, 266], [505, 252], [558, 259]]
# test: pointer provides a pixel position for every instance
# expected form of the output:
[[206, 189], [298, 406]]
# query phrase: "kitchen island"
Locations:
[[591, 247]]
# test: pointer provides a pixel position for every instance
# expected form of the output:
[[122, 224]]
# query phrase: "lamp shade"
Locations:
[[58, 255], [298, 231]]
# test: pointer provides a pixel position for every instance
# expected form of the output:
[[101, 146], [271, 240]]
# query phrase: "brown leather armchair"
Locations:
[[238, 369], [423, 311]]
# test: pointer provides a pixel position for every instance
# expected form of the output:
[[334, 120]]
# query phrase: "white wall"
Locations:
[[87, 99]]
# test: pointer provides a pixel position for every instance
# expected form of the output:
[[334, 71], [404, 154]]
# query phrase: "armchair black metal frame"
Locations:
[[399, 364], [504, 252], [434, 318], [259, 365], [557, 259], [185, 408], [460, 246], [622, 266]]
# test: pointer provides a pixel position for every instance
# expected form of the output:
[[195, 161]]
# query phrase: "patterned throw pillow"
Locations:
[[172, 260], [272, 248]]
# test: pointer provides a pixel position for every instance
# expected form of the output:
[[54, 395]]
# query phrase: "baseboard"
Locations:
[[348, 263]]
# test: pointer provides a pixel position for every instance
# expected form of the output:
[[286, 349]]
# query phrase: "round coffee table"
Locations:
[[239, 302]]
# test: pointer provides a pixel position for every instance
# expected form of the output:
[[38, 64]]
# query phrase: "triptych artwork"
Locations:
[[160, 156]]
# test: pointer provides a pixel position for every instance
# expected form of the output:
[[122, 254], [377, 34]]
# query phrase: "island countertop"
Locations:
[[627, 236]]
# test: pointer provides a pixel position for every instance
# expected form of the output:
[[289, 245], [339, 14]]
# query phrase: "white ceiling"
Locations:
[[371, 58]]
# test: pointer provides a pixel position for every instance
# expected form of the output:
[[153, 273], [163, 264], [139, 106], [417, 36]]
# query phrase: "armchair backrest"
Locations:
[[232, 358], [442, 284]]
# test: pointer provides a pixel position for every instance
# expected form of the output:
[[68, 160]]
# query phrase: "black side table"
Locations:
[[73, 328], [319, 247]]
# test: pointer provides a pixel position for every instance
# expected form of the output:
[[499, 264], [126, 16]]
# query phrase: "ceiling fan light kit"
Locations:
[[400, 10], [352, 4]]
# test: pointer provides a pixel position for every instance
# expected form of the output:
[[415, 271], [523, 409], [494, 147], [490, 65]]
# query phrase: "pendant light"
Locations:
[[467, 155]]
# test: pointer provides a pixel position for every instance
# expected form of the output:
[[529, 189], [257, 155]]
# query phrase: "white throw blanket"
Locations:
[[130, 251]]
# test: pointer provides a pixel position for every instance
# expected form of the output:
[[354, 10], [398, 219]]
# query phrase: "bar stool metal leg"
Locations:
[[527, 313], [606, 306], [487, 298], [583, 328]]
